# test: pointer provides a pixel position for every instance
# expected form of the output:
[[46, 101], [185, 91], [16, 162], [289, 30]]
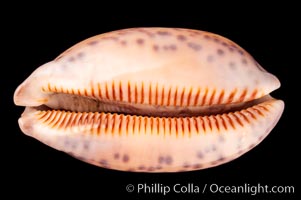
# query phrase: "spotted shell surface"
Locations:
[[116, 100]]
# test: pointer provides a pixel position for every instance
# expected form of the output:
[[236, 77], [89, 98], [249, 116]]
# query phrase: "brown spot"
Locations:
[[261, 137], [71, 59], [141, 167], [155, 47], [216, 40], [161, 159], [234, 46], [116, 156], [92, 43], [159, 167], [230, 49], [251, 146], [215, 162], [207, 37], [212, 148], [110, 38], [73, 144], [200, 155], [241, 52], [244, 61], [224, 44], [123, 42], [131, 169], [241, 151], [194, 46], [232, 65], [103, 162], [125, 158], [197, 166], [80, 55], [148, 33], [210, 58], [86, 145], [66, 143], [165, 33], [181, 37], [186, 165], [140, 41], [122, 33], [170, 47], [150, 169], [168, 160], [220, 52]]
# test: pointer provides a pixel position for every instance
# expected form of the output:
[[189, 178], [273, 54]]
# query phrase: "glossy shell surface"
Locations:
[[151, 100]]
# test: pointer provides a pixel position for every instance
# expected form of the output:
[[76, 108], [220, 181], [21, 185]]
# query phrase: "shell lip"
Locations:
[[146, 110]]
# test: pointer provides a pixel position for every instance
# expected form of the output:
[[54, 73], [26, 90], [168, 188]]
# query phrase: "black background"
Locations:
[[33, 37]]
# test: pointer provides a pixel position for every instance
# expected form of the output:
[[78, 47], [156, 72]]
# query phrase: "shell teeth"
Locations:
[[159, 95], [102, 123]]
